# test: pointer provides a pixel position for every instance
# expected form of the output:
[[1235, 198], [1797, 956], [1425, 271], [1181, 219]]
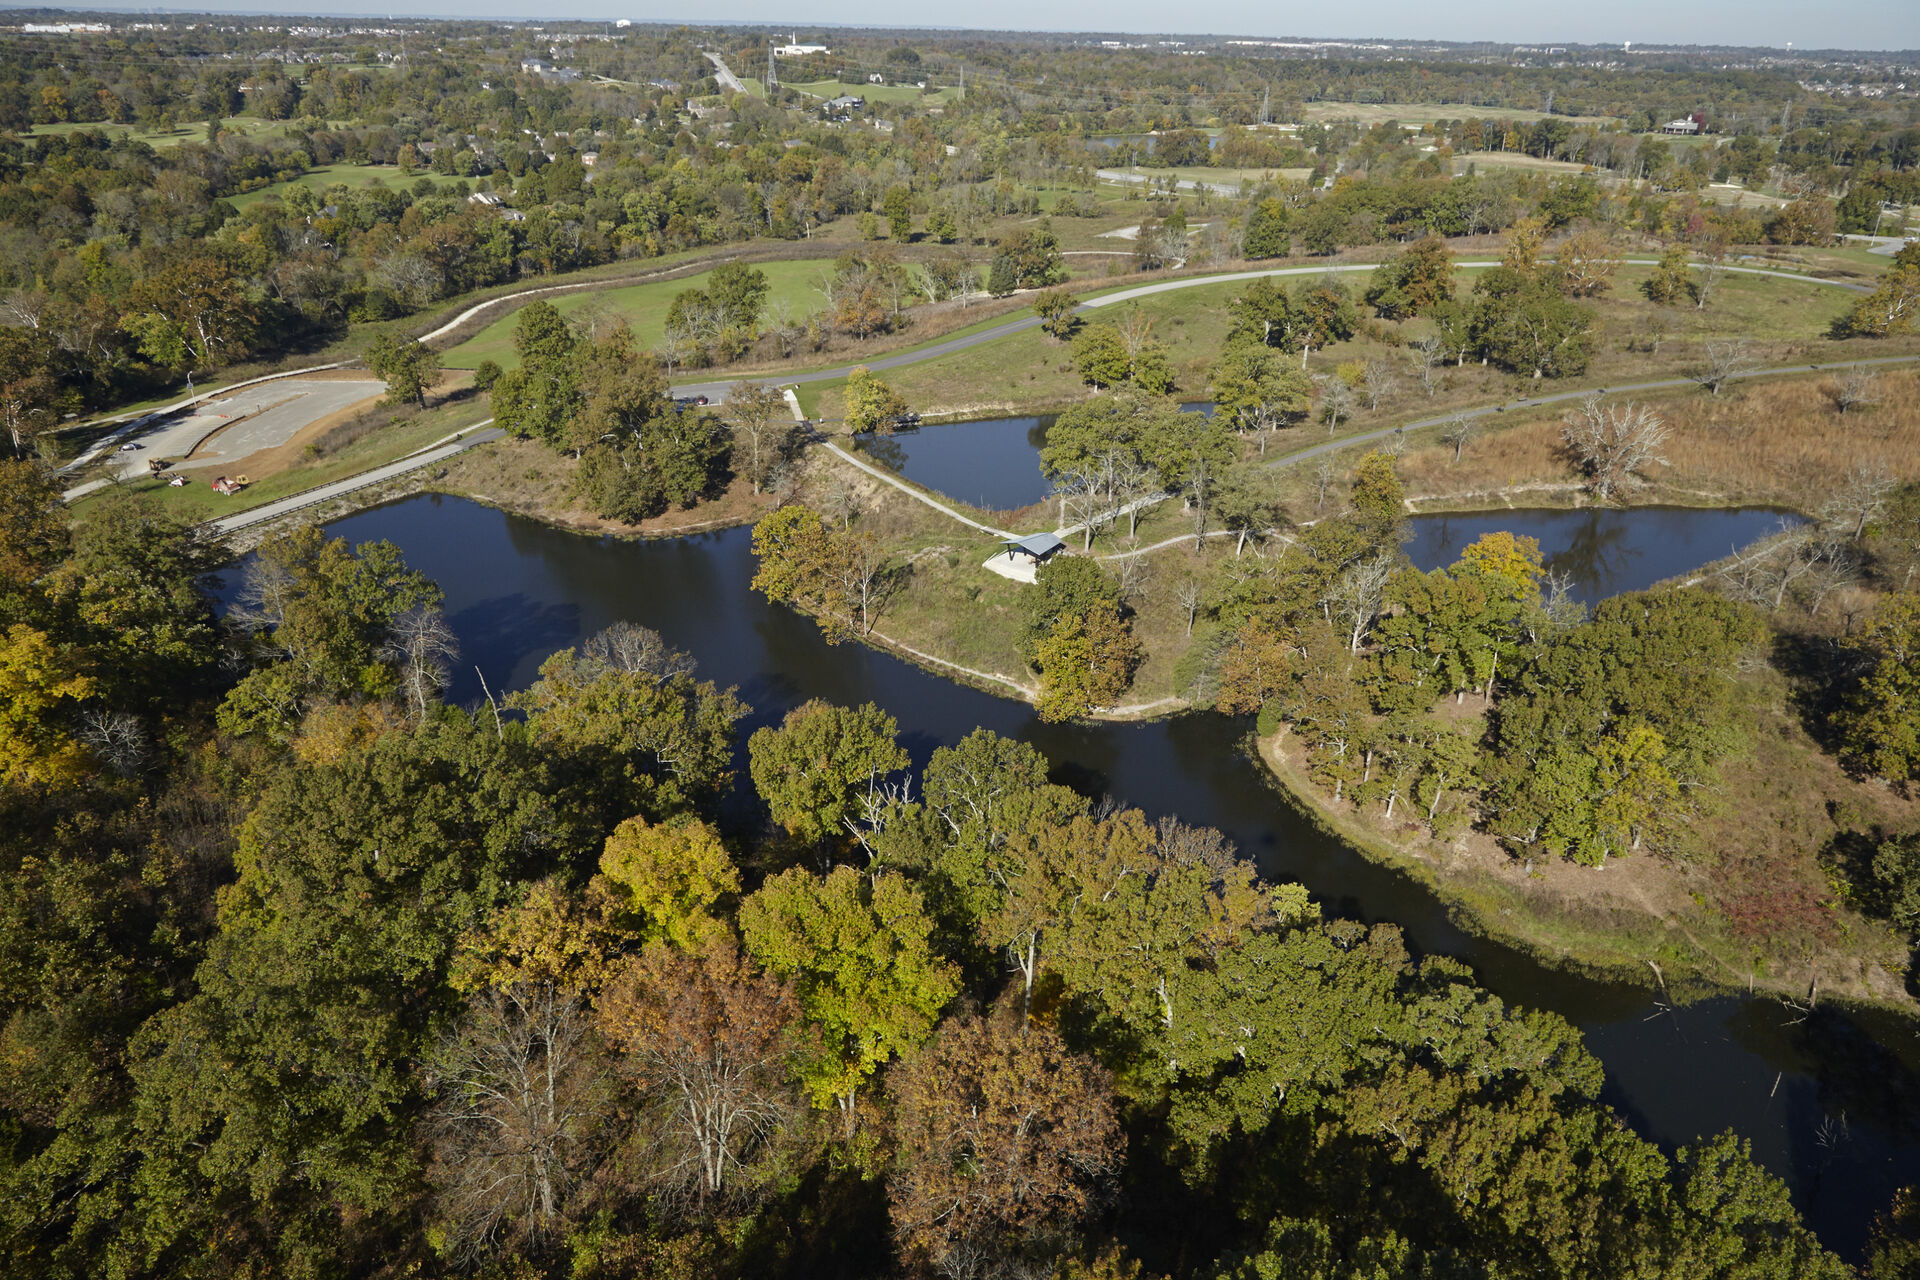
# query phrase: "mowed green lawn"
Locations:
[[645, 308], [323, 176]]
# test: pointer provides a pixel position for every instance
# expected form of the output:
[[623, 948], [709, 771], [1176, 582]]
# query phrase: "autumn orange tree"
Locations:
[[709, 1042], [1003, 1140]]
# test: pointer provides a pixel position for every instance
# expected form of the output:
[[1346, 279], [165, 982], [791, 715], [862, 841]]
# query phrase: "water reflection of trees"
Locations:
[[1863, 1061], [888, 451], [1597, 555]]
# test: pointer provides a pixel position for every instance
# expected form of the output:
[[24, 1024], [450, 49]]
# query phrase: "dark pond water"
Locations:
[[1606, 551], [993, 463], [1832, 1104]]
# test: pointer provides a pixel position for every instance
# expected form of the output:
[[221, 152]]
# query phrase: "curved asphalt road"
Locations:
[[724, 74], [716, 392]]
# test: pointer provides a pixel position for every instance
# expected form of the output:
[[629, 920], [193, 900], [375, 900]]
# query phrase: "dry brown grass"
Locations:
[[1777, 441]]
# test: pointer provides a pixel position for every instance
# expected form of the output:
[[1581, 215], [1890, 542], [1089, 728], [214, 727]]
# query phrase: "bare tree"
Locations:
[[785, 330], [841, 500], [707, 1040], [1357, 595], [1459, 429], [1189, 593], [1196, 846], [521, 1101], [1136, 330], [1323, 480], [1337, 400], [1132, 482], [637, 650], [421, 644], [1862, 498], [1765, 572], [1853, 389], [1609, 443], [1378, 381], [1428, 358], [1134, 574], [1722, 360], [1708, 274], [677, 345], [117, 738]]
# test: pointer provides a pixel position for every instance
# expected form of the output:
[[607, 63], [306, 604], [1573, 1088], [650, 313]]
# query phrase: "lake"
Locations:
[[1830, 1103]]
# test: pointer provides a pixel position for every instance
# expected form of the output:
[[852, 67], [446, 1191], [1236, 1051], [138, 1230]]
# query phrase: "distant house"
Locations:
[[792, 50], [486, 198], [1688, 125], [589, 158], [846, 105], [874, 77], [547, 71]]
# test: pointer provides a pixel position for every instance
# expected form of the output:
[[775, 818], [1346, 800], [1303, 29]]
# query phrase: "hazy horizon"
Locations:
[[1872, 26]]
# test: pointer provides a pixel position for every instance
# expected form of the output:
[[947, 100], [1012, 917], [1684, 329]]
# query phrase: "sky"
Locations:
[[1861, 24]]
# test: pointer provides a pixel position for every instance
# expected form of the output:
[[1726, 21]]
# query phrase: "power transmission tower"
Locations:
[[773, 77]]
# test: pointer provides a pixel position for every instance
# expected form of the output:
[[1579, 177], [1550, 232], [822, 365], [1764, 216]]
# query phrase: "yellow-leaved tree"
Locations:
[[35, 679]]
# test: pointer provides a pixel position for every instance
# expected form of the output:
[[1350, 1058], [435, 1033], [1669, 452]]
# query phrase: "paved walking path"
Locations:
[[716, 392], [426, 457], [887, 478]]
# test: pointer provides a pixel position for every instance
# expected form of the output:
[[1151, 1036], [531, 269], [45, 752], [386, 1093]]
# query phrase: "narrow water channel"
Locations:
[[1830, 1103]]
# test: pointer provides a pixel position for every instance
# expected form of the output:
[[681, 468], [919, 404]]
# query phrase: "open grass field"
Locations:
[[1777, 440], [192, 131], [827, 89], [320, 177], [1372, 113], [1482, 160], [644, 306]]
